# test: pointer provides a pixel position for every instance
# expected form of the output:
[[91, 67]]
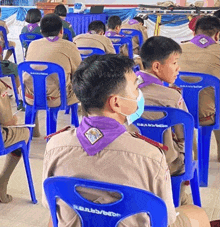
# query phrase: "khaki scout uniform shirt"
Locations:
[[203, 60], [61, 52], [135, 40], [95, 40], [10, 135], [126, 161]]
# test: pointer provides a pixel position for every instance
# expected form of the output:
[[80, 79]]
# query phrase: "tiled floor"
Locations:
[[22, 213]]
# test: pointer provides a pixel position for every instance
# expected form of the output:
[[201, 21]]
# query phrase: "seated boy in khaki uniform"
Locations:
[[95, 37], [61, 11], [57, 50], [202, 54], [159, 56], [136, 23], [10, 137], [114, 27], [101, 149]]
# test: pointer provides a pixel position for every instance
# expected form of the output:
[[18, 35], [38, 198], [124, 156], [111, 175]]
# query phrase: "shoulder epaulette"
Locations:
[[177, 89], [150, 141], [55, 133], [6, 85]]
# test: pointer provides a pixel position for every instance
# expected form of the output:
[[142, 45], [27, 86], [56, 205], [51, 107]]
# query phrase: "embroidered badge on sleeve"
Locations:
[[180, 101], [93, 135]]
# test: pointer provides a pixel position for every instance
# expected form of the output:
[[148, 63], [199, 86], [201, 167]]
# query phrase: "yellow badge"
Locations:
[[93, 135]]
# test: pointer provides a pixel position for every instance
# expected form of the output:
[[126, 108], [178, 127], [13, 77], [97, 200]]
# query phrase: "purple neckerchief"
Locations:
[[31, 27], [133, 21], [54, 39], [96, 133], [148, 79], [202, 41]]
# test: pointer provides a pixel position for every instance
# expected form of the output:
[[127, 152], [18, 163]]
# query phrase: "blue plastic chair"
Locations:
[[7, 47], [40, 96], [118, 41], [67, 32], [190, 93], [26, 39], [132, 33], [154, 129], [133, 201], [25, 152], [90, 50]]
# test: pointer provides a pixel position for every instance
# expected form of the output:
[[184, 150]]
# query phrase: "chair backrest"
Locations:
[[132, 33], [118, 41], [190, 92], [89, 51], [4, 32], [2, 146], [133, 201], [39, 81], [27, 38], [67, 32], [154, 129]]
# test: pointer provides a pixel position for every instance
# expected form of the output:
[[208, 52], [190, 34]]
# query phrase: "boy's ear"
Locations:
[[156, 67], [216, 37]]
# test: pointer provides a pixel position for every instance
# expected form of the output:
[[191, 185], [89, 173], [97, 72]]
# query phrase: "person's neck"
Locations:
[[151, 72], [62, 18], [118, 117]]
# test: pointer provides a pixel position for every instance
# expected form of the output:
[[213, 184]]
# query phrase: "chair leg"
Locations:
[[14, 55], [176, 186], [52, 120], [15, 89], [67, 110], [74, 115], [29, 175], [30, 116], [204, 136], [194, 183]]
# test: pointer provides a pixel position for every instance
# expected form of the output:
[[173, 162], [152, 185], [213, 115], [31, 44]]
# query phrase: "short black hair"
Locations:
[[139, 19], [99, 76], [51, 25], [33, 16], [217, 13], [158, 48], [207, 25], [114, 21], [60, 10], [97, 26]]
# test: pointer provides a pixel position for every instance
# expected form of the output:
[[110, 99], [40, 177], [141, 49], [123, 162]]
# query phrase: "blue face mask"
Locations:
[[140, 108]]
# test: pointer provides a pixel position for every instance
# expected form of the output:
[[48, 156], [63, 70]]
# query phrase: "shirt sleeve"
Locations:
[[72, 31], [164, 191], [109, 49], [75, 58]]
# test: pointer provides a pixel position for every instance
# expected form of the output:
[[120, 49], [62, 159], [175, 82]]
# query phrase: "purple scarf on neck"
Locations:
[[31, 27], [148, 79], [202, 41], [52, 39], [133, 21], [96, 133]]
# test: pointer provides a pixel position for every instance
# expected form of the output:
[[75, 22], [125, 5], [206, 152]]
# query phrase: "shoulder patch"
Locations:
[[55, 133], [177, 89], [150, 141]]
